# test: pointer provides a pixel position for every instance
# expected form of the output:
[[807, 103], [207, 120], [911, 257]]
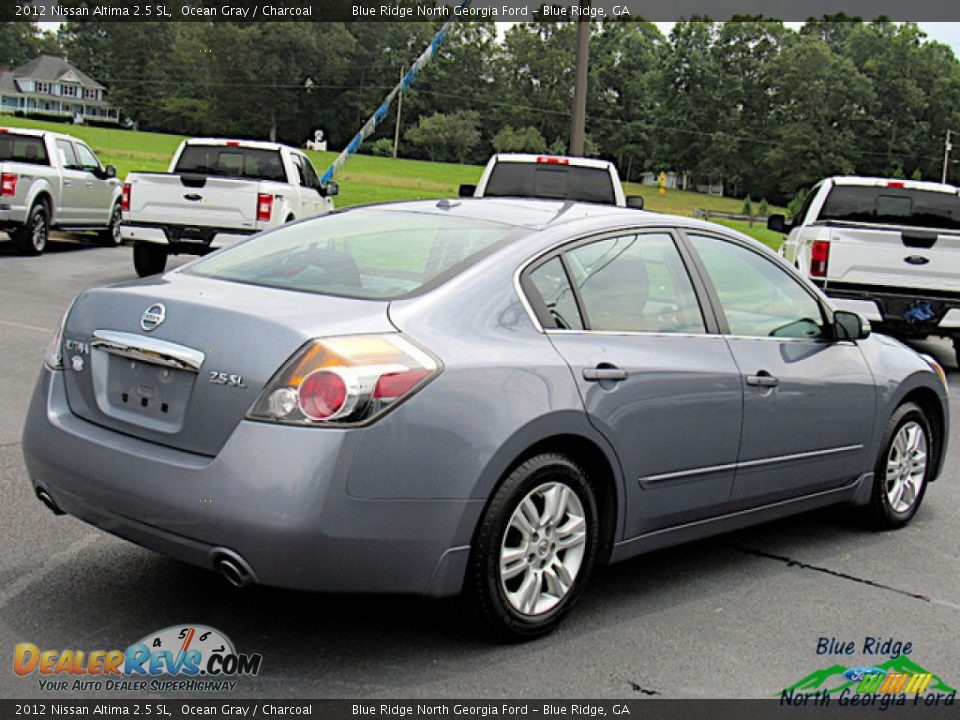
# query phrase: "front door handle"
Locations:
[[604, 373], [762, 379]]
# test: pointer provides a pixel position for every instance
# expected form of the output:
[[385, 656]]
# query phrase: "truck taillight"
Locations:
[[125, 198], [819, 258], [544, 159], [264, 207], [8, 185]]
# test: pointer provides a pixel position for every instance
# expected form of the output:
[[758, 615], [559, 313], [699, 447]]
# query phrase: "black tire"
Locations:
[[149, 258], [485, 594], [881, 513], [32, 237], [111, 236]]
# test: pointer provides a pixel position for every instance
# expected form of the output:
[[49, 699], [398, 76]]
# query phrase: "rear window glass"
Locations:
[[556, 182], [893, 206], [228, 161], [23, 149], [371, 254]]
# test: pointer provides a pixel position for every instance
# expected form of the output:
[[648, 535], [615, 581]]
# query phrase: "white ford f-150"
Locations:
[[50, 180], [216, 192], [887, 249], [554, 177]]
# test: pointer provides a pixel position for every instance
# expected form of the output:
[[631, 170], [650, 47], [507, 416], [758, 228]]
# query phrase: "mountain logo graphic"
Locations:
[[880, 678]]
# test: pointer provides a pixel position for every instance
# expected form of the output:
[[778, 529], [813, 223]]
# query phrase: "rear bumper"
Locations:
[[903, 312], [276, 496], [12, 215], [183, 239]]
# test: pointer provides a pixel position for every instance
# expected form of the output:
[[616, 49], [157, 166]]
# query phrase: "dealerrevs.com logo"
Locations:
[[180, 657]]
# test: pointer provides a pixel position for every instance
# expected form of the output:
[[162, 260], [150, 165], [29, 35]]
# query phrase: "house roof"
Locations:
[[49, 68], [6, 82]]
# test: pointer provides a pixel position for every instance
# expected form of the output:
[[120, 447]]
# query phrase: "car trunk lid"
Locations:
[[188, 380]]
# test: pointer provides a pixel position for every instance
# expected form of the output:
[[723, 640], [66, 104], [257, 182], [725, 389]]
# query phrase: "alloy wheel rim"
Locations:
[[906, 467], [115, 227], [543, 548], [39, 236]]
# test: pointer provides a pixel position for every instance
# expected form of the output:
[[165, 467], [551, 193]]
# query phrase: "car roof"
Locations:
[[539, 214], [893, 182], [546, 157], [256, 144], [33, 132]]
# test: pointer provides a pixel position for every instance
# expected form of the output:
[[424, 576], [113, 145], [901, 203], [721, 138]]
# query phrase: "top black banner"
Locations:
[[475, 10]]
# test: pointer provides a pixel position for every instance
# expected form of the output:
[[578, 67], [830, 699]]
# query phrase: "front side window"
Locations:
[[67, 155], [635, 283], [87, 159], [759, 298]]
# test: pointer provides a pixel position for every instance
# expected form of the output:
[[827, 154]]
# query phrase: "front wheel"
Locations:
[[534, 549], [32, 237], [149, 258], [903, 468]]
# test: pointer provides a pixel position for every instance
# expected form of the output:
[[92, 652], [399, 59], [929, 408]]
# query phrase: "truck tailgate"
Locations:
[[908, 258], [192, 200]]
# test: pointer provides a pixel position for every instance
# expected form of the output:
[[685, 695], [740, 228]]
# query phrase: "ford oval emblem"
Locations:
[[153, 316], [193, 197], [916, 259]]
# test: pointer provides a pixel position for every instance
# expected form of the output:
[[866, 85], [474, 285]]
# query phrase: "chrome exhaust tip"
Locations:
[[235, 572], [45, 498]]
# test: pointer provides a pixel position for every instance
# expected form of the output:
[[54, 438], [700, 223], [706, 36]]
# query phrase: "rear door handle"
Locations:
[[604, 373], [762, 379]]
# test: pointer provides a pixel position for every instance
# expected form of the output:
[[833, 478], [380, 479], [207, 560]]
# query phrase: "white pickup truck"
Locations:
[[216, 192], [886, 249], [552, 177], [50, 180]]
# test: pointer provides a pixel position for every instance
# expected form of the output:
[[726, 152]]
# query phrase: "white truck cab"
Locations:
[[217, 191], [885, 248], [552, 177]]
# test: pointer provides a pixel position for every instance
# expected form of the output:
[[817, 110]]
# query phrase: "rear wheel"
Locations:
[[111, 235], [32, 237], [903, 468], [534, 549], [149, 258]]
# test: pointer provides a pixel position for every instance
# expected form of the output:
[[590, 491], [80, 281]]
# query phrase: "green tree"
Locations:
[[447, 137], [19, 43], [526, 139]]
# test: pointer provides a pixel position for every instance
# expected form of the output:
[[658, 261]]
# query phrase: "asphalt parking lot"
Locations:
[[735, 616]]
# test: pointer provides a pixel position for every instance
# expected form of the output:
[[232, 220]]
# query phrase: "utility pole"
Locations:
[[947, 147], [396, 130], [578, 120]]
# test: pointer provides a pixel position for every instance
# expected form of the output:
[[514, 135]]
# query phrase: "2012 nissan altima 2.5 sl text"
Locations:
[[485, 397]]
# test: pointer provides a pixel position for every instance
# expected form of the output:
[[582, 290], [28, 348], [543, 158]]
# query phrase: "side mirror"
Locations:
[[110, 171], [332, 188], [635, 202], [467, 190], [850, 326], [778, 223]]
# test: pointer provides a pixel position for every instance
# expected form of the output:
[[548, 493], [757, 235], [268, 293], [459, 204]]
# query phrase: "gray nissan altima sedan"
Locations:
[[485, 397]]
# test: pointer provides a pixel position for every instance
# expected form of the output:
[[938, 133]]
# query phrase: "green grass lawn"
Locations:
[[368, 179]]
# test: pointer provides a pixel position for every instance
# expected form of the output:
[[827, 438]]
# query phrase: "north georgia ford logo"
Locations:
[[184, 651]]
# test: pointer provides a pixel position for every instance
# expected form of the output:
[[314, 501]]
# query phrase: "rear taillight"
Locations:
[[346, 380], [264, 207], [819, 258], [8, 185], [553, 160], [125, 198]]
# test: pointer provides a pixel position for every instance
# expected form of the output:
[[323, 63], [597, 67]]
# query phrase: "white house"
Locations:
[[681, 181], [50, 85]]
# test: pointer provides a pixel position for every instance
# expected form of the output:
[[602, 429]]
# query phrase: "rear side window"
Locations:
[[371, 254], [230, 161], [550, 280], [23, 149], [893, 206], [555, 182]]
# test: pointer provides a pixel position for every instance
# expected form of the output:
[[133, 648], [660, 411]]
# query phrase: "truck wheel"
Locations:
[[111, 236], [31, 238], [149, 259]]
